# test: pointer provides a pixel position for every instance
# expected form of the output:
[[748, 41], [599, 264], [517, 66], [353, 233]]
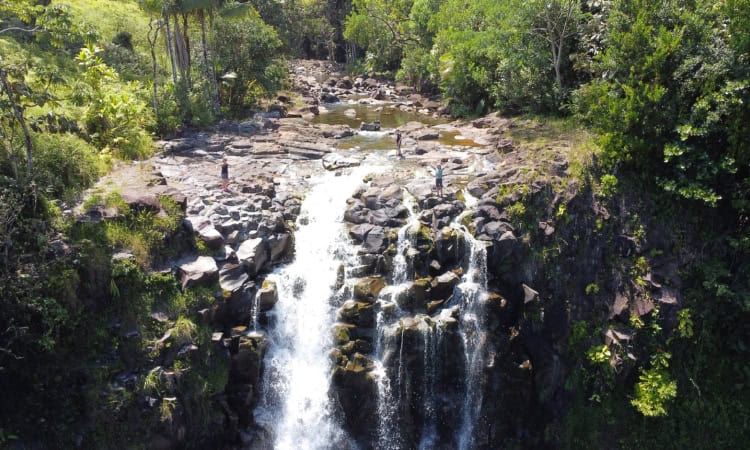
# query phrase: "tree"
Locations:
[[671, 97], [556, 22], [8, 88], [383, 27]]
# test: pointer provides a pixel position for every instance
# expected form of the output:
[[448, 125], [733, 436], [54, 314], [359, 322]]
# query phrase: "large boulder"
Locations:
[[327, 97], [280, 247], [354, 388], [232, 277], [449, 246], [200, 271], [376, 240], [368, 288], [372, 126], [345, 83], [245, 370], [358, 313], [268, 296], [442, 286], [253, 254]]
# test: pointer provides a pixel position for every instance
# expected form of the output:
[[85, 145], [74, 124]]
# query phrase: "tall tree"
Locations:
[[556, 22], [18, 114]]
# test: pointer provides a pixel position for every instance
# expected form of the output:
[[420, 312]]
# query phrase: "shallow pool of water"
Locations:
[[353, 114]]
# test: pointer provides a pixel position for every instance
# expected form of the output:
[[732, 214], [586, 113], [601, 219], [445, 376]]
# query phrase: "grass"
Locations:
[[549, 136], [111, 17]]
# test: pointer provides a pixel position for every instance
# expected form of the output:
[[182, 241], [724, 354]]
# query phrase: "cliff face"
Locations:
[[558, 256]]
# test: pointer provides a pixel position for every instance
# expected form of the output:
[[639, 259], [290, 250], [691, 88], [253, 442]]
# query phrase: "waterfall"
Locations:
[[469, 294], [402, 267], [295, 402], [429, 380], [389, 437]]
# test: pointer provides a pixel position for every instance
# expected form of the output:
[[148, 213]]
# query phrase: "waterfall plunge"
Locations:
[[295, 401], [469, 294]]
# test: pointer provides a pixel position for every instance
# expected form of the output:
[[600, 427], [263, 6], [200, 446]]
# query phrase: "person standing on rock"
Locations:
[[398, 144], [439, 180], [224, 175]]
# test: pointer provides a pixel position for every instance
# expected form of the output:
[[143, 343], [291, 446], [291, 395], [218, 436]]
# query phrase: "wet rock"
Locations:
[[336, 161], [329, 98], [245, 370], [200, 271], [357, 313], [359, 232], [416, 295], [356, 213], [426, 135], [376, 240], [268, 296], [343, 333], [354, 389], [442, 286], [368, 288], [387, 217], [449, 246], [280, 247], [373, 126], [337, 131], [345, 83]]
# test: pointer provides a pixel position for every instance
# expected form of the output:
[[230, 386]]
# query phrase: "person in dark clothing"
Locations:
[[224, 175], [398, 144]]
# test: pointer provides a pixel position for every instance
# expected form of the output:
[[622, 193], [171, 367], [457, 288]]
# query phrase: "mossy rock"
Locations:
[[433, 306], [359, 363], [368, 288], [358, 313], [342, 333]]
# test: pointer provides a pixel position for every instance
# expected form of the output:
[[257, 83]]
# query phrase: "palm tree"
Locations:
[[200, 8]]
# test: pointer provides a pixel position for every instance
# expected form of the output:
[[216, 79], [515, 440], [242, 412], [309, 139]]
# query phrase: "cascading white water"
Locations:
[[388, 435], [469, 292], [429, 380], [406, 235], [295, 401]]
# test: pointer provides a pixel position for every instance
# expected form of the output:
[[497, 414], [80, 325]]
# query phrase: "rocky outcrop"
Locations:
[[200, 270]]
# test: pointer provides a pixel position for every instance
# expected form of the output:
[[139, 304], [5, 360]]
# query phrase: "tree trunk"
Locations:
[[213, 90], [19, 116], [152, 46], [170, 49], [186, 40], [181, 54]]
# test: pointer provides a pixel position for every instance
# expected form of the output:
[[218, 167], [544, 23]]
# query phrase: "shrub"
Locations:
[[655, 387], [123, 39], [65, 164], [608, 185]]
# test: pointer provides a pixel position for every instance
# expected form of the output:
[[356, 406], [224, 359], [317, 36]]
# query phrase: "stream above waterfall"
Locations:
[[352, 113]]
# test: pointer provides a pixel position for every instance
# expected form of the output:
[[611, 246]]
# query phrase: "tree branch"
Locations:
[[25, 30]]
